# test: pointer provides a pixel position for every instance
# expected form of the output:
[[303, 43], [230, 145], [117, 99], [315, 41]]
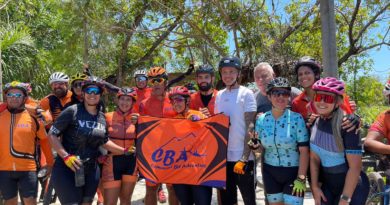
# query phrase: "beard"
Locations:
[[60, 92], [206, 87]]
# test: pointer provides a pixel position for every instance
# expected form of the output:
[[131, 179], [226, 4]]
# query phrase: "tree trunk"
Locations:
[[122, 60], [236, 41]]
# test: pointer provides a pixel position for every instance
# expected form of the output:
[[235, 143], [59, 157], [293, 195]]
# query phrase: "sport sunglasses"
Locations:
[[277, 93], [93, 90], [14, 95], [154, 81], [325, 97]]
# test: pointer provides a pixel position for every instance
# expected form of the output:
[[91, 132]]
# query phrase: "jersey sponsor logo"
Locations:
[[178, 150], [22, 125], [91, 125]]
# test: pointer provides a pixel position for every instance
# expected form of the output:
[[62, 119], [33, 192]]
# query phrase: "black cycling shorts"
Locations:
[[24, 181]]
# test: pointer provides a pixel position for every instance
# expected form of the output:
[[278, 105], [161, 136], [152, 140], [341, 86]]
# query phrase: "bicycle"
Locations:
[[379, 180]]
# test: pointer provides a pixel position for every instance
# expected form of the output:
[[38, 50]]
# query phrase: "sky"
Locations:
[[381, 67]]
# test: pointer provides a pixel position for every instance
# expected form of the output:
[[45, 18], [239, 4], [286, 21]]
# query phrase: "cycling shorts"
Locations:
[[24, 181], [63, 179], [278, 183], [119, 169]]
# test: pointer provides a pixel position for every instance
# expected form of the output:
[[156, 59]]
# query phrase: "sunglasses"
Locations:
[[93, 90], [278, 93], [325, 97], [14, 95], [155, 81], [141, 78], [177, 100], [77, 84]]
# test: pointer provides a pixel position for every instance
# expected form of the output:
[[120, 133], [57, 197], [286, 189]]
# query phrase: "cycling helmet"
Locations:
[[92, 80], [308, 61], [179, 90], [140, 72], [78, 76], [205, 69], [230, 61], [278, 82], [157, 72], [386, 90], [59, 77], [127, 92], [24, 87], [330, 84]]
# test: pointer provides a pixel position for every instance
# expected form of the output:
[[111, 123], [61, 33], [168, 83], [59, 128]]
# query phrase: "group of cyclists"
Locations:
[[311, 135]]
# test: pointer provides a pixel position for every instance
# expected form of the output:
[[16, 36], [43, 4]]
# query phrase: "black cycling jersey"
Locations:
[[82, 132], [206, 99]]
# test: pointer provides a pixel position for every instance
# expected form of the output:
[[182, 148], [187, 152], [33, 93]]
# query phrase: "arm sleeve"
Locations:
[[302, 133], [250, 102], [45, 145], [352, 143], [62, 122], [45, 103]]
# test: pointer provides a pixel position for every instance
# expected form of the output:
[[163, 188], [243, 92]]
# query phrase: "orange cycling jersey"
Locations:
[[196, 102], [302, 105], [18, 132], [382, 124], [141, 95], [155, 107], [56, 105], [120, 129]]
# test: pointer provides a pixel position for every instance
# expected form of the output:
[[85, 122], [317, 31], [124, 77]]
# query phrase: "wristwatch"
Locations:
[[345, 198]]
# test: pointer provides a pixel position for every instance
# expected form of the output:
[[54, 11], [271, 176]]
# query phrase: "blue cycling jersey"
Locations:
[[281, 137], [323, 143]]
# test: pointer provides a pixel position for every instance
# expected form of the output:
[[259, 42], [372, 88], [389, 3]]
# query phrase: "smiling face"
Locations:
[[125, 103], [229, 75], [279, 98], [325, 102], [59, 88], [179, 103], [306, 76], [263, 76], [15, 98], [91, 95]]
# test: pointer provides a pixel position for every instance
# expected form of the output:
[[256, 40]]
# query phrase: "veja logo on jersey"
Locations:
[[91, 124]]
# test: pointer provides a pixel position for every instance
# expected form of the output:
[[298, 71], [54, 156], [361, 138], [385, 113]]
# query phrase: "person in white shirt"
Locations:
[[239, 104]]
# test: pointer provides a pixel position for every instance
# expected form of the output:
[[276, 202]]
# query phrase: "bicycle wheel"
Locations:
[[376, 188]]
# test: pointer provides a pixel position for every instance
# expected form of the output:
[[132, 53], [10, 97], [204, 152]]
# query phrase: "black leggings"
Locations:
[[245, 182], [191, 194], [333, 185]]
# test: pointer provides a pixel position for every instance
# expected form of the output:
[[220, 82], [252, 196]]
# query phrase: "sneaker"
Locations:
[[161, 196]]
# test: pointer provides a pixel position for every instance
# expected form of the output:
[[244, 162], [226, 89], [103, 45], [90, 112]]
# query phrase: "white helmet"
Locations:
[[386, 91], [140, 72], [58, 77]]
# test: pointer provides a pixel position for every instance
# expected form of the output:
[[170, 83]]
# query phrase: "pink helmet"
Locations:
[[330, 84], [179, 90]]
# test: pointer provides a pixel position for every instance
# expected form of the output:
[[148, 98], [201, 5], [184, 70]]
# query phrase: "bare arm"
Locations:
[[303, 160], [116, 149], [314, 170], [249, 125], [374, 143], [355, 165]]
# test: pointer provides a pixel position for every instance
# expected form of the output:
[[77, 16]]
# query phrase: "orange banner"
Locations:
[[179, 151]]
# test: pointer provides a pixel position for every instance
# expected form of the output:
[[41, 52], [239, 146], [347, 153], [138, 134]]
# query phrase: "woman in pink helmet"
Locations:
[[335, 153]]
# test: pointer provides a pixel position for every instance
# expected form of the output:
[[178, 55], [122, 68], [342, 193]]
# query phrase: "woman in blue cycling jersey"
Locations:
[[335, 152], [284, 138]]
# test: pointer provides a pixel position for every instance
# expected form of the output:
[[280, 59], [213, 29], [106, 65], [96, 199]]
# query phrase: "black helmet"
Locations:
[[308, 61], [93, 80], [205, 69], [230, 62], [278, 82]]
